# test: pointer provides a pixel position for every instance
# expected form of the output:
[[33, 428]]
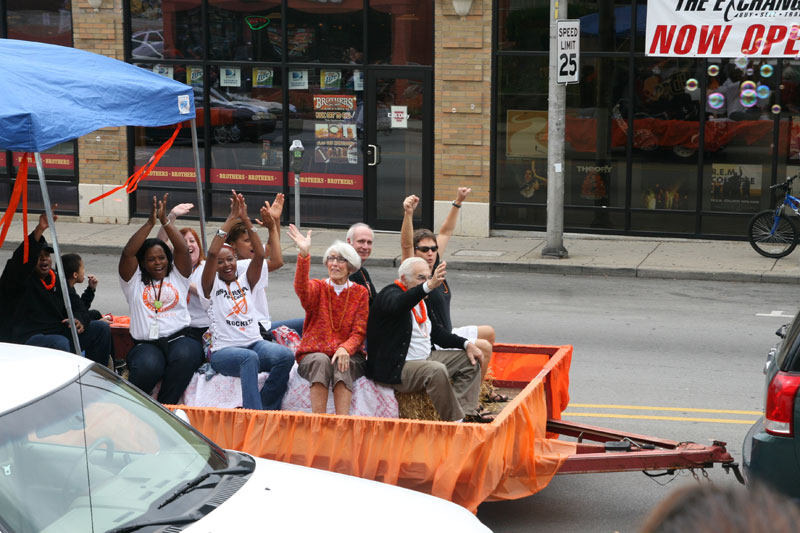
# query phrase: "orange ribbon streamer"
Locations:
[[20, 190], [133, 180]]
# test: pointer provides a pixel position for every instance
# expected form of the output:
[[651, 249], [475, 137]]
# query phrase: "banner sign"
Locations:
[[54, 161], [723, 28]]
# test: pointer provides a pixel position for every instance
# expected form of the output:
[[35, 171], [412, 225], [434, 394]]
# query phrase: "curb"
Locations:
[[553, 268]]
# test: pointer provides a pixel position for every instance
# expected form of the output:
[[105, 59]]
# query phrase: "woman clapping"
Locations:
[[237, 348], [331, 352]]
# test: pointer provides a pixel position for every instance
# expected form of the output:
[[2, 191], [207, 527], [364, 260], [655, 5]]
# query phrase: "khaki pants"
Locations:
[[317, 368], [452, 401]]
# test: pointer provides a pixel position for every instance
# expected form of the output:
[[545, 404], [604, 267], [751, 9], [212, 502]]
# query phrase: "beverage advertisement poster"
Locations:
[[194, 76], [330, 80], [358, 80], [735, 187], [230, 77], [163, 70], [298, 79], [526, 133], [262, 78]]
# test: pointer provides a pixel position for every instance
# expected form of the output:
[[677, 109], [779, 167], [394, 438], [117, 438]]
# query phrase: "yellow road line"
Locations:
[[568, 414], [650, 408]]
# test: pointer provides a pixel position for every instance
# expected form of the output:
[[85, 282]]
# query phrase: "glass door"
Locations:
[[399, 149]]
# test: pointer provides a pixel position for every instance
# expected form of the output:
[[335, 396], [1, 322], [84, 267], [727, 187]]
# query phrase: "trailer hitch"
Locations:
[[736, 472]]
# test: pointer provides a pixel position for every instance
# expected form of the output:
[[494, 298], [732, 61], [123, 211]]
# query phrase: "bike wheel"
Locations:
[[777, 244]]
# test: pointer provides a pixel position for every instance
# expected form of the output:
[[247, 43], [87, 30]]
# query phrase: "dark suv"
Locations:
[[771, 449]]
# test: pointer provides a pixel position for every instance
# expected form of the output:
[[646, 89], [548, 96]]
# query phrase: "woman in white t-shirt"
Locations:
[[155, 281], [237, 348]]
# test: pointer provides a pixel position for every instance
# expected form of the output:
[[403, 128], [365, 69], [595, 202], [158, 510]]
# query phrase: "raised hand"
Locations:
[[303, 243], [161, 212], [266, 219], [463, 192], [181, 210], [234, 213], [43, 223], [91, 281], [276, 208], [410, 204], [438, 275]]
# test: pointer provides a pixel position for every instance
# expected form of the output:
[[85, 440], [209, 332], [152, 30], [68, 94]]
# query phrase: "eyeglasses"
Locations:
[[335, 259], [426, 249]]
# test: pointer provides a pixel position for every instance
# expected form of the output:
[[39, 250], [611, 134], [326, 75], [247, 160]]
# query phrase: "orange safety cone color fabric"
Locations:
[[509, 458]]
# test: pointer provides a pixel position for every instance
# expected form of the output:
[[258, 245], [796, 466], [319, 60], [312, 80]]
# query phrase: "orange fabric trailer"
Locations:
[[510, 458]]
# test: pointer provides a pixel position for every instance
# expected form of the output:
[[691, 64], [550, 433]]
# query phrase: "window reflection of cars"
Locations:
[[81, 449], [246, 118], [147, 44]]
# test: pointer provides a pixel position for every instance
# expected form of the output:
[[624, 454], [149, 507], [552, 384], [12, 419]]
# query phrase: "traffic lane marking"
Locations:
[[652, 408], [568, 414], [778, 314]]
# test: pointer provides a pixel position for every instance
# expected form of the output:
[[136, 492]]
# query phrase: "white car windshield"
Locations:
[[97, 455]]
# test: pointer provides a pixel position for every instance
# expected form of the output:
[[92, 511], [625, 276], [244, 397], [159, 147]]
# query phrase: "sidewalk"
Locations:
[[589, 255]]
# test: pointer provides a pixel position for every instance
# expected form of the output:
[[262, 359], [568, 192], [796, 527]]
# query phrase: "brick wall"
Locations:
[[103, 154], [462, 100]]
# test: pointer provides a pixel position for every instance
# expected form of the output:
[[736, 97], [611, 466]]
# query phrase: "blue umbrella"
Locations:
[[52, 94]]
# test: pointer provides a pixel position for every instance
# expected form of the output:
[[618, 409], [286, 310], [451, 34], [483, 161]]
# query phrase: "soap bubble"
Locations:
[[776, 109], [762, 91], [794, 33], [766, 71], [713, 70], [748, 98], [749, 72], [716, 100], [740, 62], [747, 86], [692, 84]]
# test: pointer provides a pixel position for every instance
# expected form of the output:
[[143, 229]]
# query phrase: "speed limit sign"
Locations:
[[568, 50]]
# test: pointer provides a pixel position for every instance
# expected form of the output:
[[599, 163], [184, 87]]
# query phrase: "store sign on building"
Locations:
[[230, 77], [568, 50], [335, 129], [723, 28]]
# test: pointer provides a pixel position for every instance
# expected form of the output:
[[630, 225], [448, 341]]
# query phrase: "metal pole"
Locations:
[[554, 245], [60, 267], [199, 185], [297, 199]]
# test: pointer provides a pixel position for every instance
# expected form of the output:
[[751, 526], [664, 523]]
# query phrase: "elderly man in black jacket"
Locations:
[[400, 333]]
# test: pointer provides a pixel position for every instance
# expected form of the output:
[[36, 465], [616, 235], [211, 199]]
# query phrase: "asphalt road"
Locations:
[[643, 347]]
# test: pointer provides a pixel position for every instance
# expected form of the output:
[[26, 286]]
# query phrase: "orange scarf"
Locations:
[[424, 310]]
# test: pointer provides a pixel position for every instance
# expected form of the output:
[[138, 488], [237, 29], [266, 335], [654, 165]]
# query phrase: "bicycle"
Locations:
[[773, 232]]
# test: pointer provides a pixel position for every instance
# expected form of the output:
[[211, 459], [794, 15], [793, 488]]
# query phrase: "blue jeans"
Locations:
[[147, 364], [247, 362], [95, 342]]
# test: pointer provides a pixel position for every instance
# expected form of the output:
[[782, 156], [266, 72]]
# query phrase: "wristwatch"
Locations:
[[221, 233]]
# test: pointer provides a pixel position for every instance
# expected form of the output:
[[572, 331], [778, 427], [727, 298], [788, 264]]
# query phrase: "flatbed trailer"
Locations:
[[514, 456]]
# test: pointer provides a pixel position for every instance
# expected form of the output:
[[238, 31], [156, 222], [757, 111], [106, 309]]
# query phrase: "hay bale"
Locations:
[[416, 406]]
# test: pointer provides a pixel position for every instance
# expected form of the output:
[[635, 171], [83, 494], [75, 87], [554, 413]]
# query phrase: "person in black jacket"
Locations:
[[400, 333], [34, 303], [360, 237]]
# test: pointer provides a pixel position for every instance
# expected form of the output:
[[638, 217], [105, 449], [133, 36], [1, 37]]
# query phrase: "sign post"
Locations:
[[563, 69], [297, 166]]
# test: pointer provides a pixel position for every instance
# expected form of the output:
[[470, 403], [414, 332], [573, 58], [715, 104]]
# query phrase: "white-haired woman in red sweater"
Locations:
[[331, 352]]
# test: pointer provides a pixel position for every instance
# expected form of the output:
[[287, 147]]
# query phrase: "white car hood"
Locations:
[[285, 497]]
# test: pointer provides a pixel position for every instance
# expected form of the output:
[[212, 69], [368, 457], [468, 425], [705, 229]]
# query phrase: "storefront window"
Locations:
[[58, 164], [595, 173], [44, 21], [325, 32], [328, 107], [241, 30], [247, 139], [739, 135], [665, 134], [401, 32], [166, 29], [788, 110], [521, 171], [605, 26]]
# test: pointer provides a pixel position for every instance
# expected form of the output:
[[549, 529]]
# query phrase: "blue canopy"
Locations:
[[52, 94]]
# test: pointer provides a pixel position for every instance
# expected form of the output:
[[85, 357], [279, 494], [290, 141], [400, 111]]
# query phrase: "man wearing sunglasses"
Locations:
[[400, 332]]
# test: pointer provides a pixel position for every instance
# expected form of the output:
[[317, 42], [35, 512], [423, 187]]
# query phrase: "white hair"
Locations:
[[352, 230], [407, 266], [346, 251]]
